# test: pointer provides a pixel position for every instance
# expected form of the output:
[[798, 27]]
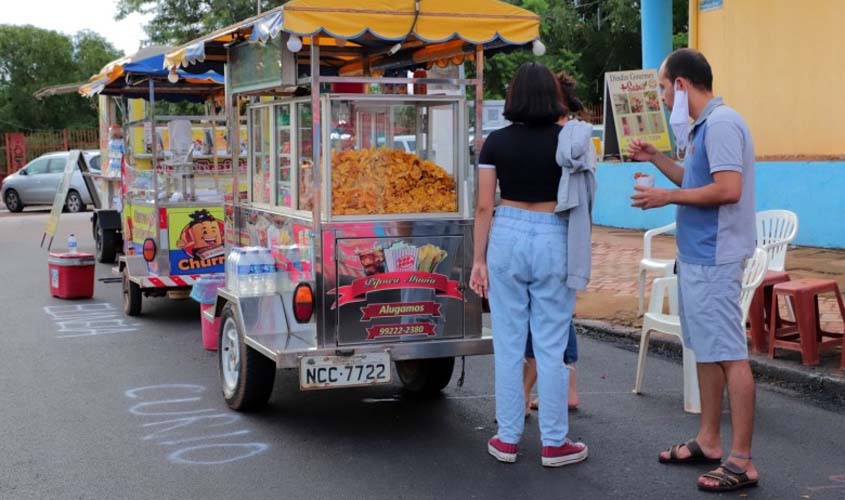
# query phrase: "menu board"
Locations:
[[633, 109]]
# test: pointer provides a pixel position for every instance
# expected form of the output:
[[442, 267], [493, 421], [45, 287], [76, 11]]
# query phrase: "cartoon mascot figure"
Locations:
[[202, 238]]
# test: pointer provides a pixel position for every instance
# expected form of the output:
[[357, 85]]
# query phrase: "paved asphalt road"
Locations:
[[135, 413]]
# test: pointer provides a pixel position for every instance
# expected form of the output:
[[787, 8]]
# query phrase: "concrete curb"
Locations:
[[825, 387]]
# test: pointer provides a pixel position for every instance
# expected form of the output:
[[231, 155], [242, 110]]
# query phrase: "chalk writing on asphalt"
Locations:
[[88, 320], [192, 433], [838, 479]]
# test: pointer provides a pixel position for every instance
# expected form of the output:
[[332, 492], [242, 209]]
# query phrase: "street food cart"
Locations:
[[360, 186], [164, 183]]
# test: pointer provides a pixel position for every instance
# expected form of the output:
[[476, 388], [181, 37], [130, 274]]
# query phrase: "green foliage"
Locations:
[[680, 40], [179, 21], [587, 38], [32, 58]]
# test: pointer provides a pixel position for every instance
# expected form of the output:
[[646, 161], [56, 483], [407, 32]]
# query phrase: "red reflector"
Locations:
[[162, 218], [303, 303], [149, 249]]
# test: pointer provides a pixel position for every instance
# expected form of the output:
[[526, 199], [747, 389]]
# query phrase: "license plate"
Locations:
[[328, 372]]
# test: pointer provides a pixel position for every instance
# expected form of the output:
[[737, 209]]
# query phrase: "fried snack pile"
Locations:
[[388, 181]]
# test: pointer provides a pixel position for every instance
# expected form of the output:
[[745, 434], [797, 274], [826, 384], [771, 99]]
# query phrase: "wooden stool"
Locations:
[[760, 309], [807, 335]]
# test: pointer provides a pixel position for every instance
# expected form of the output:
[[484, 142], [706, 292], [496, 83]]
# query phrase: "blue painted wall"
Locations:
[[813, 190]]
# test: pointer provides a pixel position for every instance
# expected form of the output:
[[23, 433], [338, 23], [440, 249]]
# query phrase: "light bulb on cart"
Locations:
[[173, 76], [538, 48], [294, 43]]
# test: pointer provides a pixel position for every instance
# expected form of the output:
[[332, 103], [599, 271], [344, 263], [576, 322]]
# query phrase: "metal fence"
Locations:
[[40, 142]]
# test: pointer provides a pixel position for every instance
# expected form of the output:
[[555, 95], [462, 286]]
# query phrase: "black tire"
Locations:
[[425, 376], [131, 296], [251, 377], [74, 203], [13, 201], [105, 243]]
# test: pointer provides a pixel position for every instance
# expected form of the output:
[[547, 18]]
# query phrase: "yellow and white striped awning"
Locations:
[[476, 22]]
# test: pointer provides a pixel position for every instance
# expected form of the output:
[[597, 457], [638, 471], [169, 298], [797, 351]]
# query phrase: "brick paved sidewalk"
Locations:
[[612, 293]]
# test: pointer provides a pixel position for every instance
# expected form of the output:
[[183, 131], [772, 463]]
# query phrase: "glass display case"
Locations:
[[391, 155], [280, 156], [384, 156]]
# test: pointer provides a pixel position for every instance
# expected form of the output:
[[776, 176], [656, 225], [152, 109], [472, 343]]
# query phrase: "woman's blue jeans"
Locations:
[[526, 260]]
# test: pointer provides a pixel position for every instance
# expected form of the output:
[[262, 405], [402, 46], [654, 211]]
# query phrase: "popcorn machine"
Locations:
[[360, 186]]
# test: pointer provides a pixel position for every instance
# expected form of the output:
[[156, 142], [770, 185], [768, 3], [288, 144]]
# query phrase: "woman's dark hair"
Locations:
[[692, 65], [567, 88], [534, 96]]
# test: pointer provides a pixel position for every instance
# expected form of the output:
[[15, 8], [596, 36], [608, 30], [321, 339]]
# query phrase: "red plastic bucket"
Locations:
[[209, 328]]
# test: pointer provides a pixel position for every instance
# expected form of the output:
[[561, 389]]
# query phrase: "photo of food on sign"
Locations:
[[652, 100], [400, 257], [636, 101], [621, 103]]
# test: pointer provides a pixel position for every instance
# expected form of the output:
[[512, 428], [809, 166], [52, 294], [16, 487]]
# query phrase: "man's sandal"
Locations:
[[730, 476], [696, 456]]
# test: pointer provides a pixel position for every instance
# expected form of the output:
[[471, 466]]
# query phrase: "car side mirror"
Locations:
[[23, 172]]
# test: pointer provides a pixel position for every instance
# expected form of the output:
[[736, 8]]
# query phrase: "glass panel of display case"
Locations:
[[283, 145], [306, 155], [393, 157], [262, 188]]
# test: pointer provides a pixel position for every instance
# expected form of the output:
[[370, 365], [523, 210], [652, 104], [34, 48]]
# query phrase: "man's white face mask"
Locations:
[[679, 120]]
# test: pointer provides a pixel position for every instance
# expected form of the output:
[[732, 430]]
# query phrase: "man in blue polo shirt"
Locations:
[[715, 236]]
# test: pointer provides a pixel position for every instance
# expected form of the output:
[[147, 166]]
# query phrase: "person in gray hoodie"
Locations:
[[576, 190]]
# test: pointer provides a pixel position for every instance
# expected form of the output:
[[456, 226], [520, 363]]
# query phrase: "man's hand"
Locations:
[[639, 150], [650, 197]]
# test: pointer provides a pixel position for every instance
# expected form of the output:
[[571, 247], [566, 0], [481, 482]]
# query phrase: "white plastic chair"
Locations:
[[655, 320], [775, 231], [665, 267]]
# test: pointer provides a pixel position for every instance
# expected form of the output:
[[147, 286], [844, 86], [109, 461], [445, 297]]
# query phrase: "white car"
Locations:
[[38, 181]]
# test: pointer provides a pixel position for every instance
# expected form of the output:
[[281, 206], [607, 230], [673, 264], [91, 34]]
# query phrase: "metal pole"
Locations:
[[154, 162], [479, 104], [316, 132], [656, 19], [233, 113], [479, 99], [153, 143], [319, 270]]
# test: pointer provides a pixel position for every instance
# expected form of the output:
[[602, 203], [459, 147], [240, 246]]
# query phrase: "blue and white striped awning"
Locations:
[[267, 27]]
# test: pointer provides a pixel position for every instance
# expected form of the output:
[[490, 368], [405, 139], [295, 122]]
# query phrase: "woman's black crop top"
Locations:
[[524, 159]]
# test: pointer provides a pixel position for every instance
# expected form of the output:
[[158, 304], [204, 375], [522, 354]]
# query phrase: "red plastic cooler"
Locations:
[[71, 275]]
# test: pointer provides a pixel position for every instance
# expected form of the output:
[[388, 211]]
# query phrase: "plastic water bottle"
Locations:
[[232, 261], [72, 244], [269, 274], [255, 279], [243, 272]]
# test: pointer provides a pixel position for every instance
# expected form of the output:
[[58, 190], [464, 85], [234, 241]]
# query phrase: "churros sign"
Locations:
[[358, 290]]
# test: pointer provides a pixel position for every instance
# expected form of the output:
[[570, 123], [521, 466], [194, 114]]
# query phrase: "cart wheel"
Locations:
[[247, 376], [131, 297], [105, 241], [425, 376]]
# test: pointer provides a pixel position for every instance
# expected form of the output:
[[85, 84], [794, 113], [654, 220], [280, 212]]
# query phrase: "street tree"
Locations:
[[179, 21], [32, 58]]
